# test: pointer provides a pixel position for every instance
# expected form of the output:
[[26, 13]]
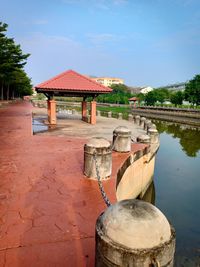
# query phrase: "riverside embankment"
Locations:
[[181, 115]]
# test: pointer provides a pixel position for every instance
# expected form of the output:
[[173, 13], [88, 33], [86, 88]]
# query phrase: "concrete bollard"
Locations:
[[137, 119], [142, 121], [134, 233], [109, 114], [147, 122], [154, 136], [153, 126], [120, 116], [98, 113], [130, 117], [122, 139], [103, 151], [144, 138]]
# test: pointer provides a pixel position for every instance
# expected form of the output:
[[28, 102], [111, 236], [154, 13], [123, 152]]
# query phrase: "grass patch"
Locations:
[[115, 109]]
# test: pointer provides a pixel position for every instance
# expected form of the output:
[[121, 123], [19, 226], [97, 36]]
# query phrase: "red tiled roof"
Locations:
[[72, 81], [133, 99]]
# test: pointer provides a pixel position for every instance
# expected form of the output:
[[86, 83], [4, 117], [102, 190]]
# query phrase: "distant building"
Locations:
[[108, 81], [143, 89], [175, 86], [146, 90]]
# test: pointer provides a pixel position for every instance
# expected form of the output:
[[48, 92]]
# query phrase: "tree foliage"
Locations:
[[13, 79], [192, 91], [119, 95], [151, 98], [176, 98]]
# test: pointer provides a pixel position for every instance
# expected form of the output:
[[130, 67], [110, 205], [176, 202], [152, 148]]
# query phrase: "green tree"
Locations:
[[177, 98], [150, 98], [141, 97], [192, 90], [12, 61], [119, 95]]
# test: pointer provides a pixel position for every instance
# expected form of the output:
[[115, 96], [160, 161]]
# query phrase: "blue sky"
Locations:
[[146, 42]]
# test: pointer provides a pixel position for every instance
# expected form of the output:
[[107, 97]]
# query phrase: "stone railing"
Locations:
[[130, 231]]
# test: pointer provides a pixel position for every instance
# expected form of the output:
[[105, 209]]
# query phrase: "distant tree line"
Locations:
[[14, 82], [121, 94], [191, 94]]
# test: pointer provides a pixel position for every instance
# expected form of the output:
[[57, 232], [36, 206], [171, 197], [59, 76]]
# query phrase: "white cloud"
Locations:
[[51, 55], [102, 39], [101, 4], [40, 22]]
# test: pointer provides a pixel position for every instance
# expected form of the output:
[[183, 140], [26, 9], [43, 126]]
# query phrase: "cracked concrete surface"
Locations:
[[48, 209]]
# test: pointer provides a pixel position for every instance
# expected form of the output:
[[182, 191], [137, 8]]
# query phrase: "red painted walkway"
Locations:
[[48, 209]]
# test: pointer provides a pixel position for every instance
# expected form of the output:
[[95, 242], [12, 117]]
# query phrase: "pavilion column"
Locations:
[[84, 109], [51, 104], [48, 109], [93, 112]]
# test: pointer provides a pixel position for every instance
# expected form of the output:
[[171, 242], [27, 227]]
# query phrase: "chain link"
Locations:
[[105, 198]]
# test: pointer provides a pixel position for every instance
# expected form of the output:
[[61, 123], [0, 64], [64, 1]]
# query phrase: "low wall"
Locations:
[[136, 174], [190, 118]]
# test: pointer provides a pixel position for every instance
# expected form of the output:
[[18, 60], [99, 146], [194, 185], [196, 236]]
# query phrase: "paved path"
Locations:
[[72, 125], [48, 208]]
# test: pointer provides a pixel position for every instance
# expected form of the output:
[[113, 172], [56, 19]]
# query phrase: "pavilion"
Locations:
[[71, 84], [134, 100]]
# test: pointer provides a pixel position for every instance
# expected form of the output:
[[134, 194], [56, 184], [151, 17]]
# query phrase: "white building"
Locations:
[[108, 81], [146, 90]]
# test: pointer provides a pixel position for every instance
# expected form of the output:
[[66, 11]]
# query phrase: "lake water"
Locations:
[[38, 126], [177, 187]]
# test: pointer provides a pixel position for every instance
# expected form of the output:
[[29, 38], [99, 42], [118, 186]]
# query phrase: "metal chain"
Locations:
[[105, 198], [132, 140]]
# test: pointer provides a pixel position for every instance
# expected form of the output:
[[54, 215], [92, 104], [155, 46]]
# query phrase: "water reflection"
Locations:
[[189, 138], [38, 126], [177, 184]]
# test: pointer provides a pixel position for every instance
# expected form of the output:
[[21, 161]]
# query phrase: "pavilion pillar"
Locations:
[[51, 105], [84, 110], [93, 112]]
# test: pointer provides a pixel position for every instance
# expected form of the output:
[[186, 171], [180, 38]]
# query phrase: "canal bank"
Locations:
[[184, 116]]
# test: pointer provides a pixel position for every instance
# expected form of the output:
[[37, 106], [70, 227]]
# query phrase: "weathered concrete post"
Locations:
[[130, 117], [150, 125], [144, 138], [137, 119], [98, 113], [147, 122], [120, 116], [109, 114], [142, 121], [154, 136], [122, 139], [102, 148], [134, 233]]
